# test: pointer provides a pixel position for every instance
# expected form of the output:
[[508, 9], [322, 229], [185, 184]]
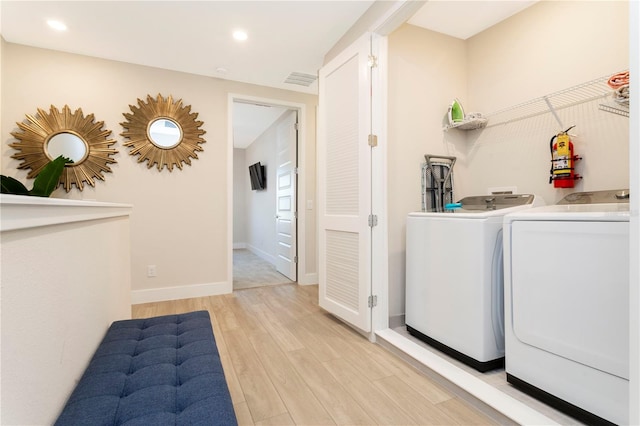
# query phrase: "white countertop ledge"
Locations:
[[23, 212]]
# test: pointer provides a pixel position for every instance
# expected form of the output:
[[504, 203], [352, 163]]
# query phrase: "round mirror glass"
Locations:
[[165, 133], [69, 145]]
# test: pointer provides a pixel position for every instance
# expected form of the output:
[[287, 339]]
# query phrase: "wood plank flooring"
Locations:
[[288, 362]]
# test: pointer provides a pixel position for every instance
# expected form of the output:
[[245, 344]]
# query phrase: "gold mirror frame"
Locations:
[[35, 133], [137, 130]]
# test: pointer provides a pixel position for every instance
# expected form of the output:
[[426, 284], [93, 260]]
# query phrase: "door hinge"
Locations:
[[295, 215], [296, 126], [373, 301], [295, 170], [373, 140], [295, 259], [373, 220], [373, 61]]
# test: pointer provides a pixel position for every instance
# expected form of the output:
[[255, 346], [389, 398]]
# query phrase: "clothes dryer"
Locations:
[[566, 304], [454, 276]]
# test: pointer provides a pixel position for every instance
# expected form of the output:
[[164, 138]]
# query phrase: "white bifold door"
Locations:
[[344, 186], [286, 148]]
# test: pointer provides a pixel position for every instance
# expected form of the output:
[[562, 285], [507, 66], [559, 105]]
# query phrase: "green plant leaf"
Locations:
[[49, 177], [10, 185]]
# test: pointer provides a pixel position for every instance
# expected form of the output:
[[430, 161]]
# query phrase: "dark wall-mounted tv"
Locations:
[[258, 176]]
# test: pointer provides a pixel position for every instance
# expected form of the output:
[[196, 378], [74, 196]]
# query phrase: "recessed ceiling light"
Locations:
[[240, 35], [56, 25]]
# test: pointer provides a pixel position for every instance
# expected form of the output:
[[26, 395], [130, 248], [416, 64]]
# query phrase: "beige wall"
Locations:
[[426, 69], [63, 283], [241, 187], [179, 220], [533, 62], [261, 204], [550, 46], [513, 62]]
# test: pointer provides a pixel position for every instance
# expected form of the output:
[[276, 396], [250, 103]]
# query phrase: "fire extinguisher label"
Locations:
[[562, 155]]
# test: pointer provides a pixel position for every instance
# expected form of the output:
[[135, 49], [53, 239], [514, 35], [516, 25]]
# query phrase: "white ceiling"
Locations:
[[192, 36], [251, 120], [196, 36], [463, 18]]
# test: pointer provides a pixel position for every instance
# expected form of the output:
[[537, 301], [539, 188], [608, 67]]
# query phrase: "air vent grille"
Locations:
[[301, 79]]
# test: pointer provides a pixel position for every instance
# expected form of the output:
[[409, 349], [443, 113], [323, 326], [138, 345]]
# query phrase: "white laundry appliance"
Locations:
[[567, 304], [454, 267]]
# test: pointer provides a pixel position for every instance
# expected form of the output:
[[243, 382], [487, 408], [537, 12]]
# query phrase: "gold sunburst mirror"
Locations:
[[163, 132], [47, 135]]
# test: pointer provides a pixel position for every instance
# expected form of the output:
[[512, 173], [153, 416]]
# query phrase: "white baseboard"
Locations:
[[262, 254], [237, 246], [308, 279], [179, 292]]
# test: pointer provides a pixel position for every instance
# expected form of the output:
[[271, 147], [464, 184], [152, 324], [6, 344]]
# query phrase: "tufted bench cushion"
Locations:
[[156, 371]]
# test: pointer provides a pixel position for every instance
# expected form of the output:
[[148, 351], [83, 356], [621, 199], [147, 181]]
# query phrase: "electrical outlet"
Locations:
[[151, 271]]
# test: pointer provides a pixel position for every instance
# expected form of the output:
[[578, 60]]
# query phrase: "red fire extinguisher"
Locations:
[[562, 161]]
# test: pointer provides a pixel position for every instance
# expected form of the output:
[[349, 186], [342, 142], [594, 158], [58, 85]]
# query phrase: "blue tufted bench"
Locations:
[[156, 371]]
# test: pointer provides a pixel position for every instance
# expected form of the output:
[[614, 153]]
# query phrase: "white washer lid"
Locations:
[[525, 201], [470, 214]]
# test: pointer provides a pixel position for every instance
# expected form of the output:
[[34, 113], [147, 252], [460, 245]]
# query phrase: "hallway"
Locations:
[[251, 271]]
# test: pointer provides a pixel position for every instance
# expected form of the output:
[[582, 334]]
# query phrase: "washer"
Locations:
[[566, 304], [454, 271]]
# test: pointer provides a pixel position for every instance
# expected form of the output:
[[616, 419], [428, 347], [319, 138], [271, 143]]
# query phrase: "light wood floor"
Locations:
[[288, 362]]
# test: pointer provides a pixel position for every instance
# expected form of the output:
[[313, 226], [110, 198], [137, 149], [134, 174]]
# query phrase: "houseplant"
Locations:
[[44, 184]]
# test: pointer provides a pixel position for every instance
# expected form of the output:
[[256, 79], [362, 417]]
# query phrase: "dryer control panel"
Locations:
[[597, 197]]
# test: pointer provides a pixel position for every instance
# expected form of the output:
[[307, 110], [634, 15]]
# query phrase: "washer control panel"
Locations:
[[495, 201]]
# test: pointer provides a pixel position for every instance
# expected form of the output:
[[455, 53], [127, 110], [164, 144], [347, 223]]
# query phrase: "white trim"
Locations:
[[302, 172], [500, 401], [396, 16], [262, 254], [379, 237], [308, 279], [161, 294], [22, 212], [634, 219], [230, 190]]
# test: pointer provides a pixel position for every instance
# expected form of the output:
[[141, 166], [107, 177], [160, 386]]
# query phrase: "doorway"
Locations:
[[264, 137]]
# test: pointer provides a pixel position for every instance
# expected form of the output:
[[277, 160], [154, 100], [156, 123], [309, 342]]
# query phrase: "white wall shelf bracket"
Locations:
[[553, 111]]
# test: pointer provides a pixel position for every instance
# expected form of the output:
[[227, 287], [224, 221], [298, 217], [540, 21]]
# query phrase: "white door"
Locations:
[[344, 185], [286, 156]]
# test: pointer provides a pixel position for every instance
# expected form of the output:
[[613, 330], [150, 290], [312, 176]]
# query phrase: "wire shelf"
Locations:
[[615, 109], [585, 92], [468, 124]]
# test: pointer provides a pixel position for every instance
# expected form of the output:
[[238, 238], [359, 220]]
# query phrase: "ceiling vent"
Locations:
[[301, 79]]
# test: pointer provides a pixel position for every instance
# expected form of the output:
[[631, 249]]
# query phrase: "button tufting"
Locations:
[[160, 384]]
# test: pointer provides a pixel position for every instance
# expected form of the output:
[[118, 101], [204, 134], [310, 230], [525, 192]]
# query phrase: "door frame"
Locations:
[[379, 233], [303, 277]]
